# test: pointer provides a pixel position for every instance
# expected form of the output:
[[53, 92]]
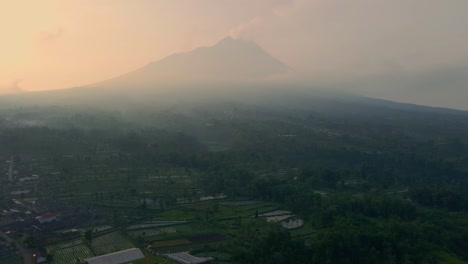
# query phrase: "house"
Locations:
[[47, 218], [32, 178], [40, 255], [41, 260], [20, 192]]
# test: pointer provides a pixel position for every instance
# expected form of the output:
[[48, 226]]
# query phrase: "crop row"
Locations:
[[109, 243], [70, 253]]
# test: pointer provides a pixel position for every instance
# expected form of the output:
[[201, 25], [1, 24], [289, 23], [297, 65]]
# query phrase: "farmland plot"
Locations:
[[70, 252], [152, 224], [109, 243], [276, 213], [292, 223], [278, 218], [152, 232]]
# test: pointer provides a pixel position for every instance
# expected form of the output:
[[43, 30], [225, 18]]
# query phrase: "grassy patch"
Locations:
[[171, 243], [109, 243], [303, 231], [445, 257], [69, 252], [179, 215]]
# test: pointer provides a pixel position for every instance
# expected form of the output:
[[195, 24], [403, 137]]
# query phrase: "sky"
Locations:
[[379, 48]]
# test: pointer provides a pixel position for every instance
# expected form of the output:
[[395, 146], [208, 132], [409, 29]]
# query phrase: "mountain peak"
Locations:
[[231, 42], [229, 39], [226, 40], [229, 61]]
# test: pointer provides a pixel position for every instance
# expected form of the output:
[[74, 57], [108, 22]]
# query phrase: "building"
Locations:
[[47, 218], [186, 258], [26, 179], [120, 257]]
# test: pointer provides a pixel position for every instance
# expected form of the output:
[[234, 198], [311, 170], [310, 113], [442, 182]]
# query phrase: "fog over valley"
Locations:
[[407, 52]]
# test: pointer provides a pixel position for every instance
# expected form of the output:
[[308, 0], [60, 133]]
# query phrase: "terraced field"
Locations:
[[109, 243], [153, 224], [76, 251], [70, 252], [152, 232], [171, 243]]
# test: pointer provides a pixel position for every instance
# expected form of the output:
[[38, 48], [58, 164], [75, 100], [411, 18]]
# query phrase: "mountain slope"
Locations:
[[230, 71], [229, 61]]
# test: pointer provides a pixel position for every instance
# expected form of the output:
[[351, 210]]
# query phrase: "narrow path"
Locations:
[[25, 253], [10, 170]]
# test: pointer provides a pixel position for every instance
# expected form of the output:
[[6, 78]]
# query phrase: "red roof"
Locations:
[[47, 215]]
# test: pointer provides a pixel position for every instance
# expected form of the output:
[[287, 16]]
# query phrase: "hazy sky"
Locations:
[[50, 44]]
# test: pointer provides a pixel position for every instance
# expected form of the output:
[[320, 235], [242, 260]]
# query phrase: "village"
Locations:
[[40, 225]]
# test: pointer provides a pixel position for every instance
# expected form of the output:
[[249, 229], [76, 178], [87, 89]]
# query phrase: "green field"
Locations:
[[449, 259], [76, 251], [70, 252], [109, 243]]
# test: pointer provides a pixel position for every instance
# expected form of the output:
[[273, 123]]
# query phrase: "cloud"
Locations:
[[247, 30], [252, 28], [12, 88], [336, 38], [412, 51]]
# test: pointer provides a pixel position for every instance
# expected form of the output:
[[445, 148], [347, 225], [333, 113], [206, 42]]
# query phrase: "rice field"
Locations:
[[275, 213], [286, 218], [75, 251], [171, 243], [101, 228], [109, 243], [276, 219], [153, 224], [152, 232], [293, 223]]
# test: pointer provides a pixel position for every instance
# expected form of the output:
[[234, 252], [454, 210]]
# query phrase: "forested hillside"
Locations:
[[373, 183]]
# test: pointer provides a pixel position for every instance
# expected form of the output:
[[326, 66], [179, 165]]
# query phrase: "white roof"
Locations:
[[120, 257], [186, 258], [41, 260]]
